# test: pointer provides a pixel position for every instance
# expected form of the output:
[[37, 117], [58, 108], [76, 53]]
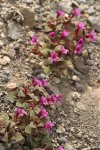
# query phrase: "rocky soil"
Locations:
[[78, 118]]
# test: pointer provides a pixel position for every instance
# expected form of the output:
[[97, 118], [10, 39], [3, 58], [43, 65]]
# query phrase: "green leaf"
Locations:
[[69, 64], [4, 116], [45, 51], [47, 29], [21, 94], [19, 104], [46, 139], [57, 48], [46, 69], [18, 137], [28, 129], [32, 125], [10, 97], [19, 84]]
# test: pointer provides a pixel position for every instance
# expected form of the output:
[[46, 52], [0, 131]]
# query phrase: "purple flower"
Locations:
[[81, 42], [54, 57], [78, 49], [44, 101], [92, 36], [48, 126], [34, 40], [52, 34], [60, 148], [36, 82], [44, 82], [43, 113], [80, 26], [20, 112], [63, 50], [52, 99], [60, 13], [59, 97], [76, 12], [64, 33]]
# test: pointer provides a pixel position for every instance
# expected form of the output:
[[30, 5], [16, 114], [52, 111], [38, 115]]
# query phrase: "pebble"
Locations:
[[76, 95], [29, 1], [80, 106], [79, 87], [91, 10], [68, 147], [11, 86], [60, 130], [95, 22], [54, 89], [62, 140], [56, 80], [75, 78]]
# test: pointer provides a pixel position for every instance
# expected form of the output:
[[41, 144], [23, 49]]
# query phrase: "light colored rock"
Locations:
[[95, 22], [80, 106], [56, 80], [7, 59], [75, 78], [76, 95], [29, 16], [11, 86], [65, 5], [14, 30], [60, 129], [68, 147]]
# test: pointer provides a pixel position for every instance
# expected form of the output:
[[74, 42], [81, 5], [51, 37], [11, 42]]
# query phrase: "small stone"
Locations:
[[56, 80], [91, 10], [75, 78], [54, 89], [62, 140], [29, 1], [76, 95], [79, 134], [6, 59], [59, 120], [89, 62], [80, 106], [79, 87], [11, 86], [95, 22], [5, 78], [68, 147], [29, 16], [60, 129], [14, 30], [41, 76], [67, 8]]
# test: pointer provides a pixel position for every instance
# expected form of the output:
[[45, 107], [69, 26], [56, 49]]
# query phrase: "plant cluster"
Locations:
[[31, 120], [65, 40]]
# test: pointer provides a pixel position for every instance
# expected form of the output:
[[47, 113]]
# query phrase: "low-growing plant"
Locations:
[[31, 120], [64, 42]]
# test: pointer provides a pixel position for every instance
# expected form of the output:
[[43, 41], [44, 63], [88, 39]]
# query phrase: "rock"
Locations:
[[5, 78], [62, 140], [95, 22], [80, 106], [76, 95], [29, 16], [79, 87], [91, 10], [29, 1], [54, 89], [56, 80], [80, 65], [75, 78], [14, 30], [81, 1], [11, 86], [89, 62], [60, 129], [2, 147], [59, 120], [7, 59], [68, 147], [65, 6]]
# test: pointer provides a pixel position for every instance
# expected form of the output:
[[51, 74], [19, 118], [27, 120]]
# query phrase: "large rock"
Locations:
[[29, 16], [14, 30], [65, 5], [95, 23]]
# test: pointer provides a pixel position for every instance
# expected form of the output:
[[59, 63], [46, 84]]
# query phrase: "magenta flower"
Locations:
[[44, 82], [54, 57], [43, 113], [64, 33], [92, 36], [60, 148], [63, 50], [81, 26], [76, 12], [60, 13], [81, 42], [52, 99], [34, 40], [44, 101], [20, 112], [52, 34], [48, 126], [59, 97], [36, 82], [78, 49]]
